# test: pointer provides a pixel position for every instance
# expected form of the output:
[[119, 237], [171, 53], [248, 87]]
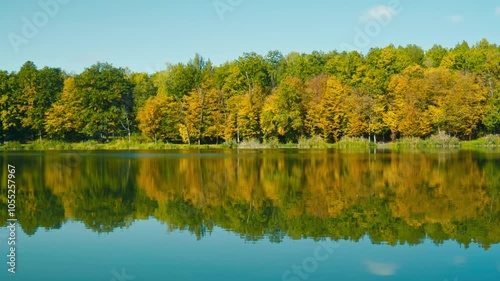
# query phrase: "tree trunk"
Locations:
[[187, 134], [237, 129], [202, 97]]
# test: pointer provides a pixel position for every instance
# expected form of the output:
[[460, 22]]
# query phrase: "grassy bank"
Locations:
[[435, 141], [134, 144], [93, 145], [316, 142], [489, 141], [442, 141]]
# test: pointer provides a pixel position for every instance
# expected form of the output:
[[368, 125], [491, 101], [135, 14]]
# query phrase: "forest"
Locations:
[[386, 94]]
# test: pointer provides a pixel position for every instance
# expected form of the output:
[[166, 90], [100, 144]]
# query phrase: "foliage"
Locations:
[[441, 140], [389, 93], [312, 142]]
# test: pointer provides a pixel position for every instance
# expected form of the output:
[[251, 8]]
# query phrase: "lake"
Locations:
[[275, 214]]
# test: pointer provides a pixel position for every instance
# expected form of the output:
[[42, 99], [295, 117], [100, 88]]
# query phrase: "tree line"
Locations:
[[388, 93]]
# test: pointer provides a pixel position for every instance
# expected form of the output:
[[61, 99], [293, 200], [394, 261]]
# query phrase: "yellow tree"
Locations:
[[192, 104], [63, 120], [213, 120], [408, 106], [203, 115], [361, 112], [267, 122], [326, 114], [158, 117], [459, 101], [314, 93], [231, 118], [249, 113]]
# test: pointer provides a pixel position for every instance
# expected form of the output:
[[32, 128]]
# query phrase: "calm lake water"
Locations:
[[253, 215]]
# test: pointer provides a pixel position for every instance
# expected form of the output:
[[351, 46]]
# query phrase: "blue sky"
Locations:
[[144, 35]]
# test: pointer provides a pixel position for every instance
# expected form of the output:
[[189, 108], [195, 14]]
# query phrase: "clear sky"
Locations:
[[145, 34]]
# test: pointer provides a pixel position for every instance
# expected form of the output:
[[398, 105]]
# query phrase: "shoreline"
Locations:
[[122, 145]]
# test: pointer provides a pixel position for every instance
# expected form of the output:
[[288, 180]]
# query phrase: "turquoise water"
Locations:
[[145, 251], [275, 215]]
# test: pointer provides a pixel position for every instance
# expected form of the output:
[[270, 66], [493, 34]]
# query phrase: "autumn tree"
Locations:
[[249, 113], [326, 115], [390, 91], [408, 112], [159, 118], [458, 103], [361, 114], [283, 113], [63, 120]]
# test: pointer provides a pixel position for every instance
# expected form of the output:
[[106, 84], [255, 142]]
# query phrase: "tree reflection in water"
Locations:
[[394, 198]]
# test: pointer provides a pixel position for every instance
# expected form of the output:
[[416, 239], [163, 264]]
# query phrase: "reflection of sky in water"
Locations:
[[147, 251], [460, 260], [381, 269]]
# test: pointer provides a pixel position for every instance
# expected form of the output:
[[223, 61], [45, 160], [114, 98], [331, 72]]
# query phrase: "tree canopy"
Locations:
[[389, 92]]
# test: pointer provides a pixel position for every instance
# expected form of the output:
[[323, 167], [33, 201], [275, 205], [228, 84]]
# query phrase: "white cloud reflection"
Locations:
[[460, 260], [382, 269]]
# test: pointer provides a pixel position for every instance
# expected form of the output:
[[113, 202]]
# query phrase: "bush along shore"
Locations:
[[440, 141]]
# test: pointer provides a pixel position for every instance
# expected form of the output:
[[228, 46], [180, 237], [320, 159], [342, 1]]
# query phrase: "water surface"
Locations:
[[254, 215]]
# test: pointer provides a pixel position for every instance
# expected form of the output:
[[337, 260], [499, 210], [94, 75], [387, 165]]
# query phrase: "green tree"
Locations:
[[8, 106], [434, 56], [254, 69], [143, 89], [347, 67], [38, 89], [107, 100], [492, 116], [275, 67]]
